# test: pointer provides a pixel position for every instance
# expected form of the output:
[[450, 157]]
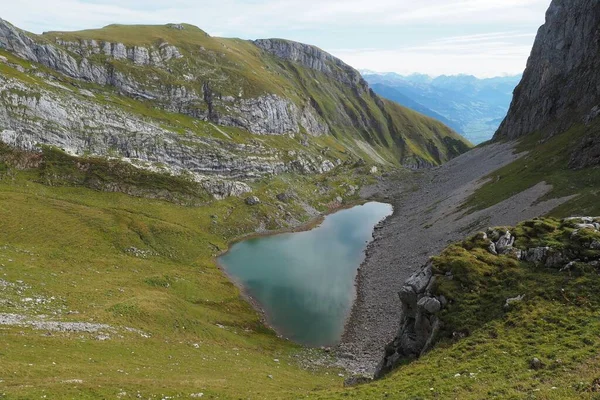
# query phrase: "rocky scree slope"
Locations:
[[101, 92], [560, 86], [479, 279]]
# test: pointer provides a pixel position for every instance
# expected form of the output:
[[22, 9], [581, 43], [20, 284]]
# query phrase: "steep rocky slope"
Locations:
[[561, 85], [554, 112], [173, 98]]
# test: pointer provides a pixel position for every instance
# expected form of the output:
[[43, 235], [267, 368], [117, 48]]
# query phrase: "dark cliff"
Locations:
[[561, 85]]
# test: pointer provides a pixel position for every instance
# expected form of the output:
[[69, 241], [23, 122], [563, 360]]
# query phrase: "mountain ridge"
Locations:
[[236, 83]]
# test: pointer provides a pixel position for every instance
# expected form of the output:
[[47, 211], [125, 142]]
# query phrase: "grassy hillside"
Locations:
[[239, 69], [547, 161]]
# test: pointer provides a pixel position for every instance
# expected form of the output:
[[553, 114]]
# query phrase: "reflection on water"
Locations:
[[305, 281]]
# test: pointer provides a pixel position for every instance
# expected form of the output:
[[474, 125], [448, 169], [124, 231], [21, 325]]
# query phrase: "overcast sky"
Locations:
[[480, 37]]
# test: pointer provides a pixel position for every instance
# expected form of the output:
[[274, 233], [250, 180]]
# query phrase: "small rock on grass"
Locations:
[[252, 201], [536, 364], [356, 380]]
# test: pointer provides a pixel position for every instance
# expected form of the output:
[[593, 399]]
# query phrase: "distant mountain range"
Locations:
[[473, 107]]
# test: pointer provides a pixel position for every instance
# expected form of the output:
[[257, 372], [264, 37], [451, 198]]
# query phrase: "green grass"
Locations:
[[71, 244], [546, 161], [556, 322]]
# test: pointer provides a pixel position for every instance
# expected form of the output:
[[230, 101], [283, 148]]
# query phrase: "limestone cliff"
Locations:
[[267, 87], [561, 85]]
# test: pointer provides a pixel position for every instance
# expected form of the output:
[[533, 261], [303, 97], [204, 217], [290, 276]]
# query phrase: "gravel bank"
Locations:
[[426, 219]]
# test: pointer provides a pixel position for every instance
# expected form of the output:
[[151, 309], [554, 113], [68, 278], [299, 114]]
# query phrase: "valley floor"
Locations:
[[428, 216]]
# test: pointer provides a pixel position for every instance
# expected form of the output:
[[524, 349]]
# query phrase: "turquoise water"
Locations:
[[304, 281]]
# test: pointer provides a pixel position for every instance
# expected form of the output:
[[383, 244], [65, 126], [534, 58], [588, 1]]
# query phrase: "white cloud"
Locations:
[[483, 55], [394, 27], [262, 15], [499, 63]]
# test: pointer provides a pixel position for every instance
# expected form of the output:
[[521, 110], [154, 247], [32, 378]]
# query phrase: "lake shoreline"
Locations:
[[313, 223]]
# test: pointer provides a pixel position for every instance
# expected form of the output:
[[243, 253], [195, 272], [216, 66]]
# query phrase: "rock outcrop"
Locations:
[[422, 303], [561, 85], [34, 116], [419, 324], [314, 58]]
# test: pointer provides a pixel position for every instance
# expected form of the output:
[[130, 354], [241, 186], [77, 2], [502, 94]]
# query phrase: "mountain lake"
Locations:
[[304, 281]]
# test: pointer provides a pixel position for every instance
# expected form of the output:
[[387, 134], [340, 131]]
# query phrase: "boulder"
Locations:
[[536, 255], [555, 259], [252, 201], [284, 197], [429, 304], [408, 297], [513, 300], [536, 364], [420, 279], [583, 220], [587, 226], [515, 253], [505, 242]]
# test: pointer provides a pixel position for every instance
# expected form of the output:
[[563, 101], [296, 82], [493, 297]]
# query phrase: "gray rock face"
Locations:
[[561, 85], [314, 58], [536, 255], [222, 189], [269, 114], [272, 114], [419, 325], [504, 243], [284, 197], [31, 116]]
